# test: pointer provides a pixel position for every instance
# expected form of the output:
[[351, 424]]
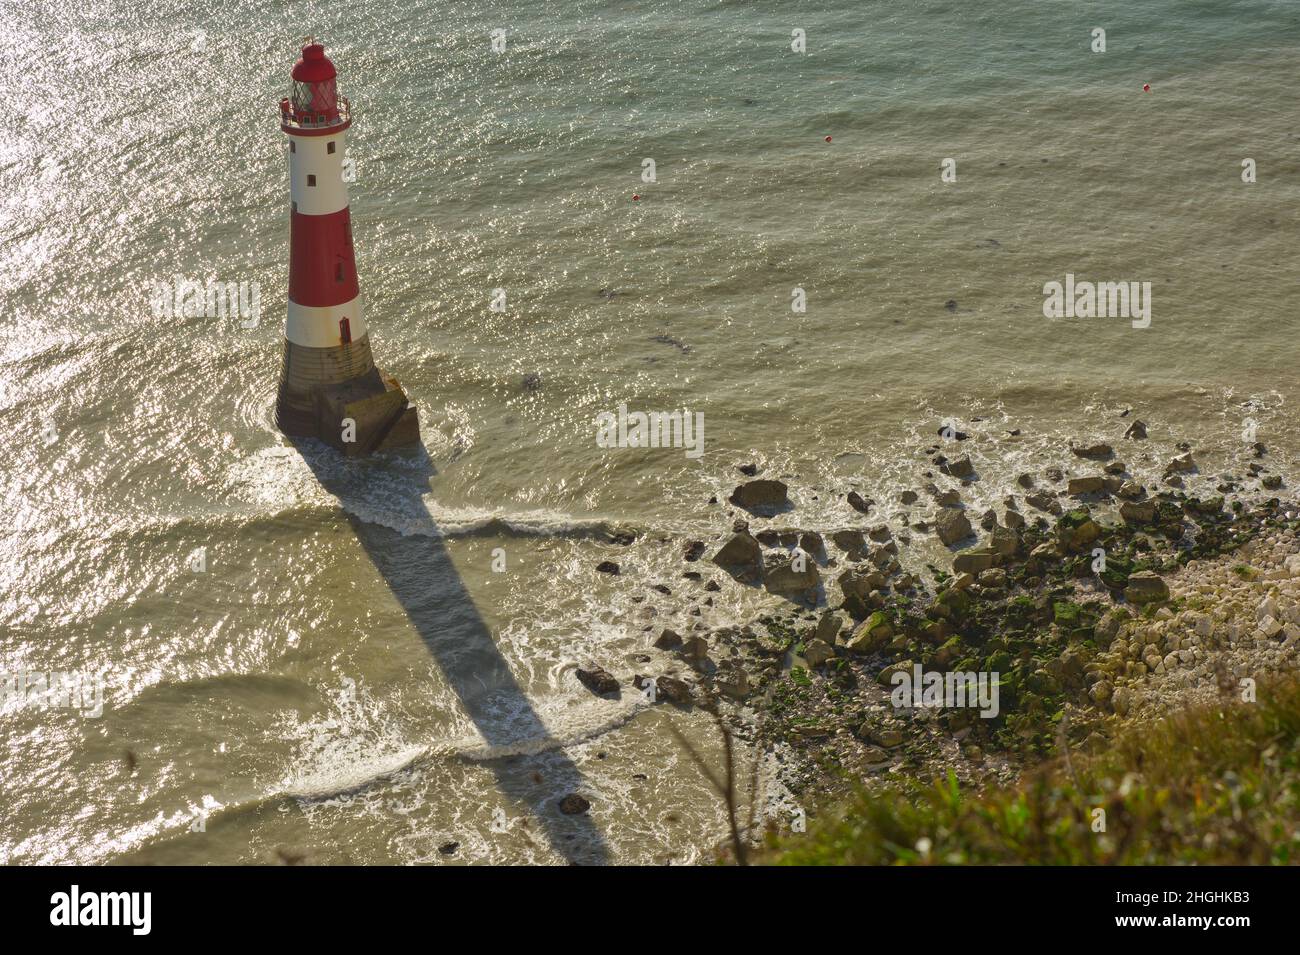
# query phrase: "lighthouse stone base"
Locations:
[[338, 396]]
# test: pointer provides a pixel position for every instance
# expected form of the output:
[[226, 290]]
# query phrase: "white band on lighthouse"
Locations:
[[316, 175], [319, 327]]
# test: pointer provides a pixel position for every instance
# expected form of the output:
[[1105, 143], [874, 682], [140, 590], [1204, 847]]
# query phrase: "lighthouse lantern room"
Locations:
[[329, 386]]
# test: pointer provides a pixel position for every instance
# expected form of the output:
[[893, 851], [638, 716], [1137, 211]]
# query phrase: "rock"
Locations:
[[694, 649], [973, 562], [829, 627], [1183, 464], [1013, 520], [607, 567], [1145, 587], [1004, 541], [668, 640], [994, 577], [886, 736], [1136, 431], [749, 470], [817, 652], [574, 805], [1272, 482], [1131, 490], [874, 754], [732, 682], [597, 680], [855, 583], [951, 525], [858, 502], [1095, 452], [851, 542], [1138, 512], [665, 688], [1085, 485], [1054, 474], [785, 576], [693, 551], [960, 468], [948, 498], [880, 533], [742, 553], [1044, 501], [671, 689], [887, 674], [761, 496], [448, 848], [1077, 530], [811, 543], [908, 497], [870, 635]]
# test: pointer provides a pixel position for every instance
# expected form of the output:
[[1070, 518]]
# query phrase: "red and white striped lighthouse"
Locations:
[[329, 386]]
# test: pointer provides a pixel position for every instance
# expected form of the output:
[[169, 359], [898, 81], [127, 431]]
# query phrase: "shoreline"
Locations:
[[1098, 603]]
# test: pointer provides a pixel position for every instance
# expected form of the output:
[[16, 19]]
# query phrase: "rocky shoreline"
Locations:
[[1097, 601]]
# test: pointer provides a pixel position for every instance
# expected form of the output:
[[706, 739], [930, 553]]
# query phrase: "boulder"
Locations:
[[1138, 512], [1044, 501], [786, 576], [829, 627], [742, 553], [858, 502], [668, 640], [1136, 431], [870, 635], [1004, 541], [1146, 587], [960, 468], [574, 805], [761, 496], [951, 525], [733, 682], [695, 649], [597, 680], [817, 652], [1085, 485], [1094, 452], [973, 562], [851, 542]]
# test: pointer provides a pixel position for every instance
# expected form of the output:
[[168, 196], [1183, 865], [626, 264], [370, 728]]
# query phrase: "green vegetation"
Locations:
[[1212, 785]]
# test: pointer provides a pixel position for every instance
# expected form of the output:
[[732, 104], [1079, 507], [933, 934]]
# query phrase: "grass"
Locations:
[[1211, 785]]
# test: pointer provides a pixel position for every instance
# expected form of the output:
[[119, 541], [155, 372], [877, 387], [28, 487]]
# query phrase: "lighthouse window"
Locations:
[[311, 180], [329, 147]]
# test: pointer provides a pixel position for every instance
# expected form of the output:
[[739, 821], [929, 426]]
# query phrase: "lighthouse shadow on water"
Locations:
[[421, 575]]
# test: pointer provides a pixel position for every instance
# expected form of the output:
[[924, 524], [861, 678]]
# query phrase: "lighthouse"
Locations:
[[329, 386]]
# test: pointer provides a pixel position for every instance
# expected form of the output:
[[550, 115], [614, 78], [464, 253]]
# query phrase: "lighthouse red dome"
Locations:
[[314, 103], [314, 67]]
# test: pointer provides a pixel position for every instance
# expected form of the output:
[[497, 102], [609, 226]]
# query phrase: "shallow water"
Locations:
[[349, 680]]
